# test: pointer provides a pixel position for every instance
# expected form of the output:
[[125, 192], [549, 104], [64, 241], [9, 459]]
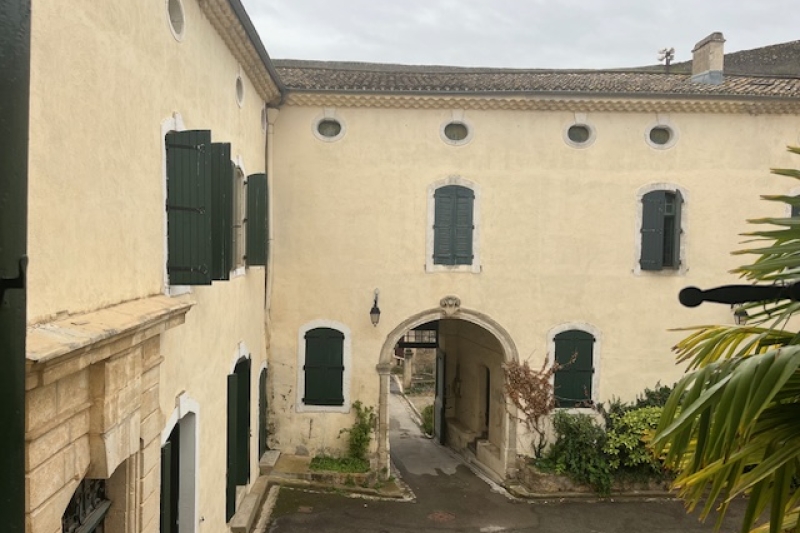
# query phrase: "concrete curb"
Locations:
[[518, 491]]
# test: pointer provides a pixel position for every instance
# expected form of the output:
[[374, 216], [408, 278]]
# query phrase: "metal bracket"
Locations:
[[15, 283]]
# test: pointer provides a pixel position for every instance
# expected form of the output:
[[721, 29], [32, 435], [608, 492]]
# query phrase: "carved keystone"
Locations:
[[450, 304]]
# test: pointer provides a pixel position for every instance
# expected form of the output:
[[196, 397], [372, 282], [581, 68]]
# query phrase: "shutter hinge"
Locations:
[[15, 283], [201, 209], [198, 147], [201, 270]]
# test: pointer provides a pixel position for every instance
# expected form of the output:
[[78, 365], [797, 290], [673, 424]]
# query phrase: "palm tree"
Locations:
[[732, 424]]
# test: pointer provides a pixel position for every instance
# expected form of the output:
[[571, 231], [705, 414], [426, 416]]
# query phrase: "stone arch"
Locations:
[[449, 309]]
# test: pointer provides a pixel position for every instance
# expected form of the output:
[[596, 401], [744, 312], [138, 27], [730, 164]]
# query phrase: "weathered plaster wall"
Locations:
[[558, 233], [105, 76]]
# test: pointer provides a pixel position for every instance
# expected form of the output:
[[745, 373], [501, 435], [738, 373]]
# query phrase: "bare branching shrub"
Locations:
[[531, 392]]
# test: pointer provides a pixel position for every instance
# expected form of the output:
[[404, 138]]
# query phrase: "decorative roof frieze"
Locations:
[[621, 104]]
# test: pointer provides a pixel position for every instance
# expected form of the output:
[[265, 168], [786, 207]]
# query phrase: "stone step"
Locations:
[[267, 462], [247, 513]]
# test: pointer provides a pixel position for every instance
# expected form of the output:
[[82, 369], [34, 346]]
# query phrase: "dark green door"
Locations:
[[262, 413]]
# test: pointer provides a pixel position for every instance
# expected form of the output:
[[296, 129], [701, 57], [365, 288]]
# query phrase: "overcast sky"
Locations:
[[515, 33]]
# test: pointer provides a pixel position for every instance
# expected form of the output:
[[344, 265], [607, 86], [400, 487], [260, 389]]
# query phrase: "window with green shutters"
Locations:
[[453, 225], [574, 352], [324, 367], [661, 230], [257, 220], [199, 208], [189, 196]]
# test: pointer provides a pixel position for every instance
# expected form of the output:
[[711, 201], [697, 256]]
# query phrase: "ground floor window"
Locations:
[[575, 355], [87, 509]]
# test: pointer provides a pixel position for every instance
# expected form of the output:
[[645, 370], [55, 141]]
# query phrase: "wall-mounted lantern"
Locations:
[[375, 312], [740, 316]]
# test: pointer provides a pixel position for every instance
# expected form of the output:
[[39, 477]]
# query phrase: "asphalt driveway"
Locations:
[[451, 498]]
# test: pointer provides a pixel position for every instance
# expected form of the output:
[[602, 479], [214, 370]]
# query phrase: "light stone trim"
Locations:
[[662, 121], [579, 119], [92, 397], [457, 117], [637, 249], [328, 113], [347, 349], [621, 104], [597, 350], [186, 415], [224, 20], [475, 267]]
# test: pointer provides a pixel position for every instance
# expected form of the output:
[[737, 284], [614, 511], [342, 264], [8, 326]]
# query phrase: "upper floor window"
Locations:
[[452, 240], [661, 230], [453, 225], [200, 204], [574, 353]]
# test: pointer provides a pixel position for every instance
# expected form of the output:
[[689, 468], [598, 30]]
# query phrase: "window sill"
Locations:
[[303, 408], [474, 268]]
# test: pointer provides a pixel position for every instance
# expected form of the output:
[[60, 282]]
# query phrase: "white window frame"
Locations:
[[187, 412], [240, 198], [579, 120], [596, 351], [662, 121], [684, 222], [475, 267], [301, 407]]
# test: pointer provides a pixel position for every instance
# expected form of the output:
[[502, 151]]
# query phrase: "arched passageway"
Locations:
[[471, 413]]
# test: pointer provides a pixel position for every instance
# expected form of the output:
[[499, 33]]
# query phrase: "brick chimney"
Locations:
[[707, 59]]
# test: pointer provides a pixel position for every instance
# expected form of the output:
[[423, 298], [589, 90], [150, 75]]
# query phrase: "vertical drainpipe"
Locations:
[[15, 38], [272, 116]]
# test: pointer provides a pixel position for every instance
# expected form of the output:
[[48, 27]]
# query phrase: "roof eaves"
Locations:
[[558, 94], [255, 39]]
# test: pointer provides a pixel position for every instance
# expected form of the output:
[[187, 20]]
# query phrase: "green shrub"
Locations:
[[578, 451], [360, 434], [427, 419], [627, 439]]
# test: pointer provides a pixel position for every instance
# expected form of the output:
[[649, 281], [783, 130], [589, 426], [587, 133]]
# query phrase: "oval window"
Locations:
[[456, 131], [578, 134], [660, 135], [239, 90], [329, 128], [176, 20]]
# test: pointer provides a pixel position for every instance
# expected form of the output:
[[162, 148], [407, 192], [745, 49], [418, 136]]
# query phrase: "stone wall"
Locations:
[[92, 410]]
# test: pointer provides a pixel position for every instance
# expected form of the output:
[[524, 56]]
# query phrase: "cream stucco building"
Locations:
[[209, 230]]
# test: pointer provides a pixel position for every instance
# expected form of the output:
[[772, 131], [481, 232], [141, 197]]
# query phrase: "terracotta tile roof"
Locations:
[[756, 76]]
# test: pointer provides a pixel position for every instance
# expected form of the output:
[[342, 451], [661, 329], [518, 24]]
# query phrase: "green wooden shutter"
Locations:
[[262, 413], [443, 226], [243, 423], [653, 204], [232, 447], [257, 202], [463, 227], [573, 382], [166, 487], [675, 241], [324, 368], [189, 211], [221, 169], [795, 209]]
